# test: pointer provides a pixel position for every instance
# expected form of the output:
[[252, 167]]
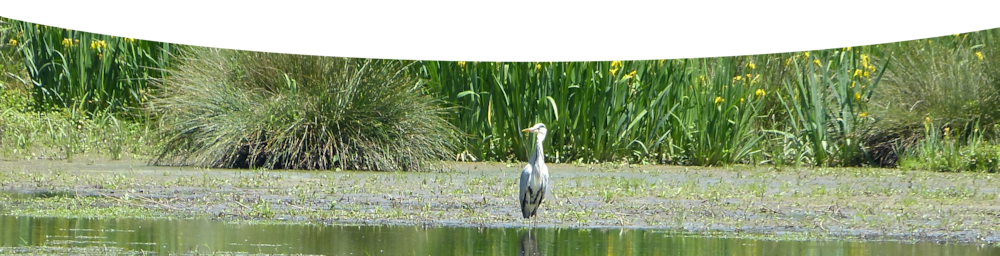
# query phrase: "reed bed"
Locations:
[[833, 107]]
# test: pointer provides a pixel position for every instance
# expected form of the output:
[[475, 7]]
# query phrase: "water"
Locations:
[[185, 236]]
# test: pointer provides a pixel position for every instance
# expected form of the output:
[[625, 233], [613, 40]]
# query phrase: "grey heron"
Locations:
[[535, 177]]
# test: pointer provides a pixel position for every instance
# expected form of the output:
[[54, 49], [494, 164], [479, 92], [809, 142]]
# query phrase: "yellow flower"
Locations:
[[461, 64], [630, 74], [927, 119], [857, 96], [98, 44], [751, 65], [719, 100], [979, 55], [847, 49], [852, 84], [806, 54], [947, 130], [741, 100], [534, 50], [12, 42], [818, 63], [538, 67], [66, 42], [760, 93], [863, 114], [857, 72], [737, 78]]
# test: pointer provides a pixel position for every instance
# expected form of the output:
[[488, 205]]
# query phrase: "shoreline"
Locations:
[[767, 202]]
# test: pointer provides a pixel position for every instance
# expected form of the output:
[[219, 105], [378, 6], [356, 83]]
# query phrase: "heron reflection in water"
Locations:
[[528, 245]]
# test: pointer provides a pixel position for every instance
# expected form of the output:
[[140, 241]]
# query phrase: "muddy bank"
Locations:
[[762, 202]]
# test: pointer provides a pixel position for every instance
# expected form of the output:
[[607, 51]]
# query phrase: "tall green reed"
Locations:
[[92, 72], [594, 110]]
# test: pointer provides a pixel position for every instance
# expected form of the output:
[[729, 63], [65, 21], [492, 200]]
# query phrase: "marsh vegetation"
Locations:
[[922, 104]]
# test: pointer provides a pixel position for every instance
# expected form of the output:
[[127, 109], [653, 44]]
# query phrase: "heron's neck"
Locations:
[[538, 156]]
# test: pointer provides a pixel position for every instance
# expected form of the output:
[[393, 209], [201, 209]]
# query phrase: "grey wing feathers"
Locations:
[[521, 195]]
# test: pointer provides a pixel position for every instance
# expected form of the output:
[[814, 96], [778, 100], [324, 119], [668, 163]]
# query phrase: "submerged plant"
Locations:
[[227, 108]]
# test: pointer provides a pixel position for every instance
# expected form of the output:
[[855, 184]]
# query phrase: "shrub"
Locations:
[[227, 108]]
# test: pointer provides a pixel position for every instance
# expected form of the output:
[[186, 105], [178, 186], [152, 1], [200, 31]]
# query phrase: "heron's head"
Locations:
[[538, 129]]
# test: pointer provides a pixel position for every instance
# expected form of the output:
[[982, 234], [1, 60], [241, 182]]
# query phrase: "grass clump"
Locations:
[[940, 105], [227, 108]]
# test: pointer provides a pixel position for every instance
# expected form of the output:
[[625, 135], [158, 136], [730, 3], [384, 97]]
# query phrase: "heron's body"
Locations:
[[534, 177]]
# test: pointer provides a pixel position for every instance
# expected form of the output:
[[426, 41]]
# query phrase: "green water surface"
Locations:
[[169, 237]]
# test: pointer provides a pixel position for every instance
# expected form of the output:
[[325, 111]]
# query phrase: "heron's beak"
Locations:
[[527, 130]]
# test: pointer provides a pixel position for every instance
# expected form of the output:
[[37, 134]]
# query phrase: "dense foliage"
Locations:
[[930, 103]]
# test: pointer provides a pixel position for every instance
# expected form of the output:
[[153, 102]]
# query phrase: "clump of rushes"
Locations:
[[238, 109]]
